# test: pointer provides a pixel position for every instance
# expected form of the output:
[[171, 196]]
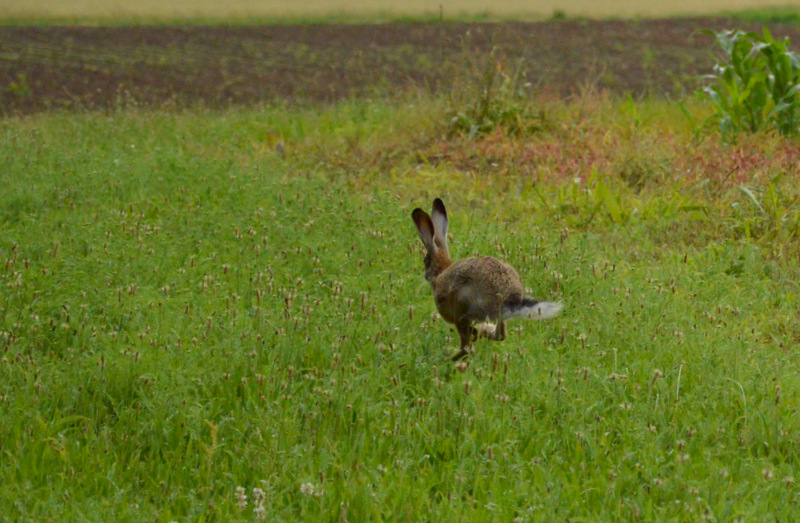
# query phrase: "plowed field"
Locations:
[[103, 67]]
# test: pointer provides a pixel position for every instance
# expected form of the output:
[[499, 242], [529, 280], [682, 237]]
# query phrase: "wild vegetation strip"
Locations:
[[45, 68]]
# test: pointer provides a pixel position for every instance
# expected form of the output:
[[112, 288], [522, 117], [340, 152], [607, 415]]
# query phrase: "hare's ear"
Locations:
[[439, 218], [425, 228]]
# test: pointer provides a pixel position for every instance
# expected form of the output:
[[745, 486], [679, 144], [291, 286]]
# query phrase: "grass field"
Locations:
[[188, 316], [371, 9]]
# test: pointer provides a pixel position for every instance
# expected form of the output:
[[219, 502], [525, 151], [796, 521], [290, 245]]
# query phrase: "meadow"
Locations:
[[186, 312], [220, 313]]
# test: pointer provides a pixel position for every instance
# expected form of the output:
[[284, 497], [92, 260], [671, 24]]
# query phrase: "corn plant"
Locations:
[[756, 86]]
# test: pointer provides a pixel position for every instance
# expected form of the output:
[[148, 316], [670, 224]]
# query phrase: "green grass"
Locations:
[[185, 312]]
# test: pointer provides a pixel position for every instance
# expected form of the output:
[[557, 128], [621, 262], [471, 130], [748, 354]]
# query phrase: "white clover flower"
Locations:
[[309, 489], [241, 497]]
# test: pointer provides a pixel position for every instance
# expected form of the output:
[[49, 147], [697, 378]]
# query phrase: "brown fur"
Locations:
[[469, 291]]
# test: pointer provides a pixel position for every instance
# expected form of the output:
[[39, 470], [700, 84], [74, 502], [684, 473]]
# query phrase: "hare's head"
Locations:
[[433, 232]]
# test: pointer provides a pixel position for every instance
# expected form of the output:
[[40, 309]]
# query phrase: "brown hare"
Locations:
[[474, 290]]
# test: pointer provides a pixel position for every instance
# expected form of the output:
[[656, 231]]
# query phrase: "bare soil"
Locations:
[[51, 67]]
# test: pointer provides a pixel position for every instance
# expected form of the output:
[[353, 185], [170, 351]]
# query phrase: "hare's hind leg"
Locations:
[[491, 331], [483, 330], [499, 331]]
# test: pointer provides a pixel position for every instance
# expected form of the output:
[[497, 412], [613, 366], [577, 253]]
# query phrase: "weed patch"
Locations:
[[491, 92]]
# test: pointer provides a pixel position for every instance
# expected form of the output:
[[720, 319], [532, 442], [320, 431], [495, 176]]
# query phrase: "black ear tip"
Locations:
[[438, 204], [420, 216]]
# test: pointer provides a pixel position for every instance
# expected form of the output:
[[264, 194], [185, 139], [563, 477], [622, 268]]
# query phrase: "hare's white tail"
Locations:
[[531, 309]]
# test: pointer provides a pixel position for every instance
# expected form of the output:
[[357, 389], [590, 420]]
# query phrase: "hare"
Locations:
[[472, 291]]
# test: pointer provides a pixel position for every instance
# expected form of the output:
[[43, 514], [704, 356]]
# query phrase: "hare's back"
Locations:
[[476, 287], [488, 272]]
